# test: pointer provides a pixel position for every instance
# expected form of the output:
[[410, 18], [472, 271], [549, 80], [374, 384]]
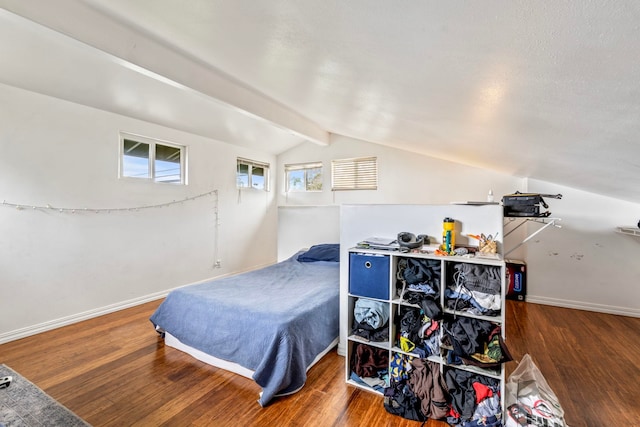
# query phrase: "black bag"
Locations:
[[526, 204]]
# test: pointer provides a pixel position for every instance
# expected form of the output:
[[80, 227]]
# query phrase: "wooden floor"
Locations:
[[115, 371]]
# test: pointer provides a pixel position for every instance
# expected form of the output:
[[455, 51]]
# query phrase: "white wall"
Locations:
[[304, 226], [56, 268], [403, 177], [585, 264], [59, 267]]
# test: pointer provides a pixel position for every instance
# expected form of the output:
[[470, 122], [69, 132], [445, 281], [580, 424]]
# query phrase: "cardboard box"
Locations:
[[516, 278]]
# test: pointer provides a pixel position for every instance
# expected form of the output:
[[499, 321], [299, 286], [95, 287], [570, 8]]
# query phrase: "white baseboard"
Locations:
[[79, 317], [581, 305]]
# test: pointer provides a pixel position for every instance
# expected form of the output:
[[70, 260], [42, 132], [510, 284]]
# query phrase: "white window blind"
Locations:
[[252, 174], [299, 166], [354, 174], [303, 176]]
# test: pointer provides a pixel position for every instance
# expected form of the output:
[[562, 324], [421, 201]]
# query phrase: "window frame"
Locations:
[[358, 173], [305, 167], [151, 159], [253, 164]]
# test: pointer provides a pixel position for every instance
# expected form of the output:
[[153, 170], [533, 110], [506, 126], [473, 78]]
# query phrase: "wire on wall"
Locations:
[[216, 217], [49, 207]]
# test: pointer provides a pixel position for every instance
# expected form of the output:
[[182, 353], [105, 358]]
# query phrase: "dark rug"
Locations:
[[23, 404]]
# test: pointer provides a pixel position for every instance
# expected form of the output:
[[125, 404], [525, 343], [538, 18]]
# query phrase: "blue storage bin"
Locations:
[[369, 275]]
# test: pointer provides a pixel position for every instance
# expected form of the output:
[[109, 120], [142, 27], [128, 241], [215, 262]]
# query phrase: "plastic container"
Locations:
[[448, 235]]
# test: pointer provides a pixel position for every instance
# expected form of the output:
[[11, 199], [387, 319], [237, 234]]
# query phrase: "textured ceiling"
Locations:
[[548, 90]]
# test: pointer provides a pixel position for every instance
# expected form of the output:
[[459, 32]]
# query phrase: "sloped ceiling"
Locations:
[[548, 90]]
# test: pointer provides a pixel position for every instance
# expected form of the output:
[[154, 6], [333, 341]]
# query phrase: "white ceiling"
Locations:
[[546, 89]]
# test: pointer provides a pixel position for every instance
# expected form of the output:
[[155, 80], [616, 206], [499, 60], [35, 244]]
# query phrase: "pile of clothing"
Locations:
[[419, 275], [418, 283], [417, 390], [371, 320], [418, 333], [370, 366], [475, 399], [474, 342], [475, 289]]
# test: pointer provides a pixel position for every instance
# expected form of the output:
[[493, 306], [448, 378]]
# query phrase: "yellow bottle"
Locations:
[[448, 235]]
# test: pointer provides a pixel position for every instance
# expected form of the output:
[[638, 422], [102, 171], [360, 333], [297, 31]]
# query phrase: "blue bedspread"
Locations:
[[274, 321]]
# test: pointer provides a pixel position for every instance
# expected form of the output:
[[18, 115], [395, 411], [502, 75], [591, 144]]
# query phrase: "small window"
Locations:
[[252, 174], [303, 177], [354, 174], [151, 159]]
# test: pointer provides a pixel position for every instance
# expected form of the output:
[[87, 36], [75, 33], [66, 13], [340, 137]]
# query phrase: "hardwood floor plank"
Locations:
[[115, 370], [585, 358]]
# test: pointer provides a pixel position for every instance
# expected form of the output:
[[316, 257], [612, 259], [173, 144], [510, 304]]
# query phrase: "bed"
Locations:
[[270, 324]]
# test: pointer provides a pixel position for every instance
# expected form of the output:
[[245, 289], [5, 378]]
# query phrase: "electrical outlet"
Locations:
[[218, 264]]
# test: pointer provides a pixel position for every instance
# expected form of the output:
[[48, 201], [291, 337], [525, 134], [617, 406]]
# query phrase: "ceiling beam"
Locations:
[[90, 26]]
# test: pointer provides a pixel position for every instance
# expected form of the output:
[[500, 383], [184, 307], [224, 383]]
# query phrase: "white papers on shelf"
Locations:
[[379, 240], [384, 243]]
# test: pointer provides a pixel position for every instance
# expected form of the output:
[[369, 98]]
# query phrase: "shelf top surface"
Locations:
[[430, 255]]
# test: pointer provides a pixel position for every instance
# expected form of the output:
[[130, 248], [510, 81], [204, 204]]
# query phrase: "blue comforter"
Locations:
[[274, 321]]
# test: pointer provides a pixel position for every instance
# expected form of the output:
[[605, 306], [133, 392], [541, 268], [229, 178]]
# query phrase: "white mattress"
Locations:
[[174, 342]]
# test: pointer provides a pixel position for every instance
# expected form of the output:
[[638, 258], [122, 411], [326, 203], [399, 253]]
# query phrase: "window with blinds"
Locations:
[[354, 174], [252, 174]]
